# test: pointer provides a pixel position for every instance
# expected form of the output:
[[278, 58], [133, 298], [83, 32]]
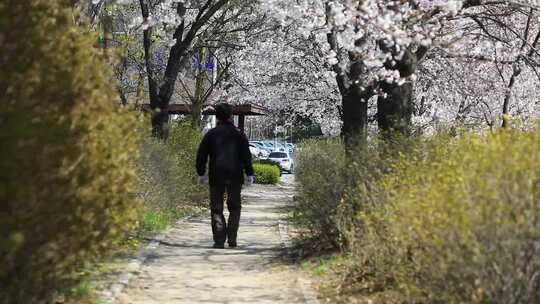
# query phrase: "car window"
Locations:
[[277, 155]]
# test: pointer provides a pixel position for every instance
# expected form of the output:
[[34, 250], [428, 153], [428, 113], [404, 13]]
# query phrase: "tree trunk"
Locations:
[[354, 97], [355, 117], [179, 54], [354, 104], [394, 111], [160, 94], [508, 96], [196, 112], [198, 98], [160, 113], [160, 124]]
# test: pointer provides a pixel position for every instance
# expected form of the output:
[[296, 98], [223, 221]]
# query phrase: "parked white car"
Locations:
[[263, 153], [291, 147], [278, 147], [262, 148], [254, 150], [284, 160], [257, 152]]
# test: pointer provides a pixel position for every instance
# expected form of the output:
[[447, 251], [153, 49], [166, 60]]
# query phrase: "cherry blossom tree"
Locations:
[[347, 64], [289, 75], [376, 48], [487, 60], [175, 32]]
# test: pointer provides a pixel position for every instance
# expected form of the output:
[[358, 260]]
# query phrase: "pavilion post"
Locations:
[[242, 122]]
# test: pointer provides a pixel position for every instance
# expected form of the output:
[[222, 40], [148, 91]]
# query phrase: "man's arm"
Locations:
[[202, 155], [246, 156]]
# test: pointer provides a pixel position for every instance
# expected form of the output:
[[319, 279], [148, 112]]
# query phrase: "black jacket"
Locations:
[[228, 149]]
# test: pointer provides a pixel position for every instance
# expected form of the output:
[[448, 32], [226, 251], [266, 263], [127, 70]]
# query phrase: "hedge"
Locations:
[[67, 178], [269, 162], [266, 174], [430, 220], [462, 220]]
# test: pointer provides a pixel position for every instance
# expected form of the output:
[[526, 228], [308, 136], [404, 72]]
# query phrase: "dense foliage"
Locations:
[[68, 182], [268, 162], [321, 183], [167, 178], [445, 220], [266, 174]]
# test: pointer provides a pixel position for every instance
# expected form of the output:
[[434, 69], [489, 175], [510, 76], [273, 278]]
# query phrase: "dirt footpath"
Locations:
[[185, 269]]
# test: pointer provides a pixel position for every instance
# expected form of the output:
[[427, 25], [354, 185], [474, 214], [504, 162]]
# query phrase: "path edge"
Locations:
[[310, 296], [132, 270]]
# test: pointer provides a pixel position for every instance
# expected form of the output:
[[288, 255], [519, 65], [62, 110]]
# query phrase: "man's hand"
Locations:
[[201, 180], [250, 180]]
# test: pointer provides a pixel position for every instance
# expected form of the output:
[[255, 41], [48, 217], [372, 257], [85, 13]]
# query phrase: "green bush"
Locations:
[[438, 220], [463, 221], [68, 181], [321, 183], [269, 162], [266, 174], [167, 178]]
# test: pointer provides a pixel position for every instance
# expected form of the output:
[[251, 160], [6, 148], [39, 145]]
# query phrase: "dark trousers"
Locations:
[[220, 229]]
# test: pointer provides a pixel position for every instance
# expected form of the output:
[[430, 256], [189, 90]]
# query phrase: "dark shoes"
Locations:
[[222, 246], [218, 246]]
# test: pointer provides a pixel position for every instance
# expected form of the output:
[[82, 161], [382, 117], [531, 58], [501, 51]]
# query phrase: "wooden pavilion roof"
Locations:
[[185, 109]]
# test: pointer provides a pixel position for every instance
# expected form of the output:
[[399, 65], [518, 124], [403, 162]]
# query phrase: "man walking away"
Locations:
[[228, 149]]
